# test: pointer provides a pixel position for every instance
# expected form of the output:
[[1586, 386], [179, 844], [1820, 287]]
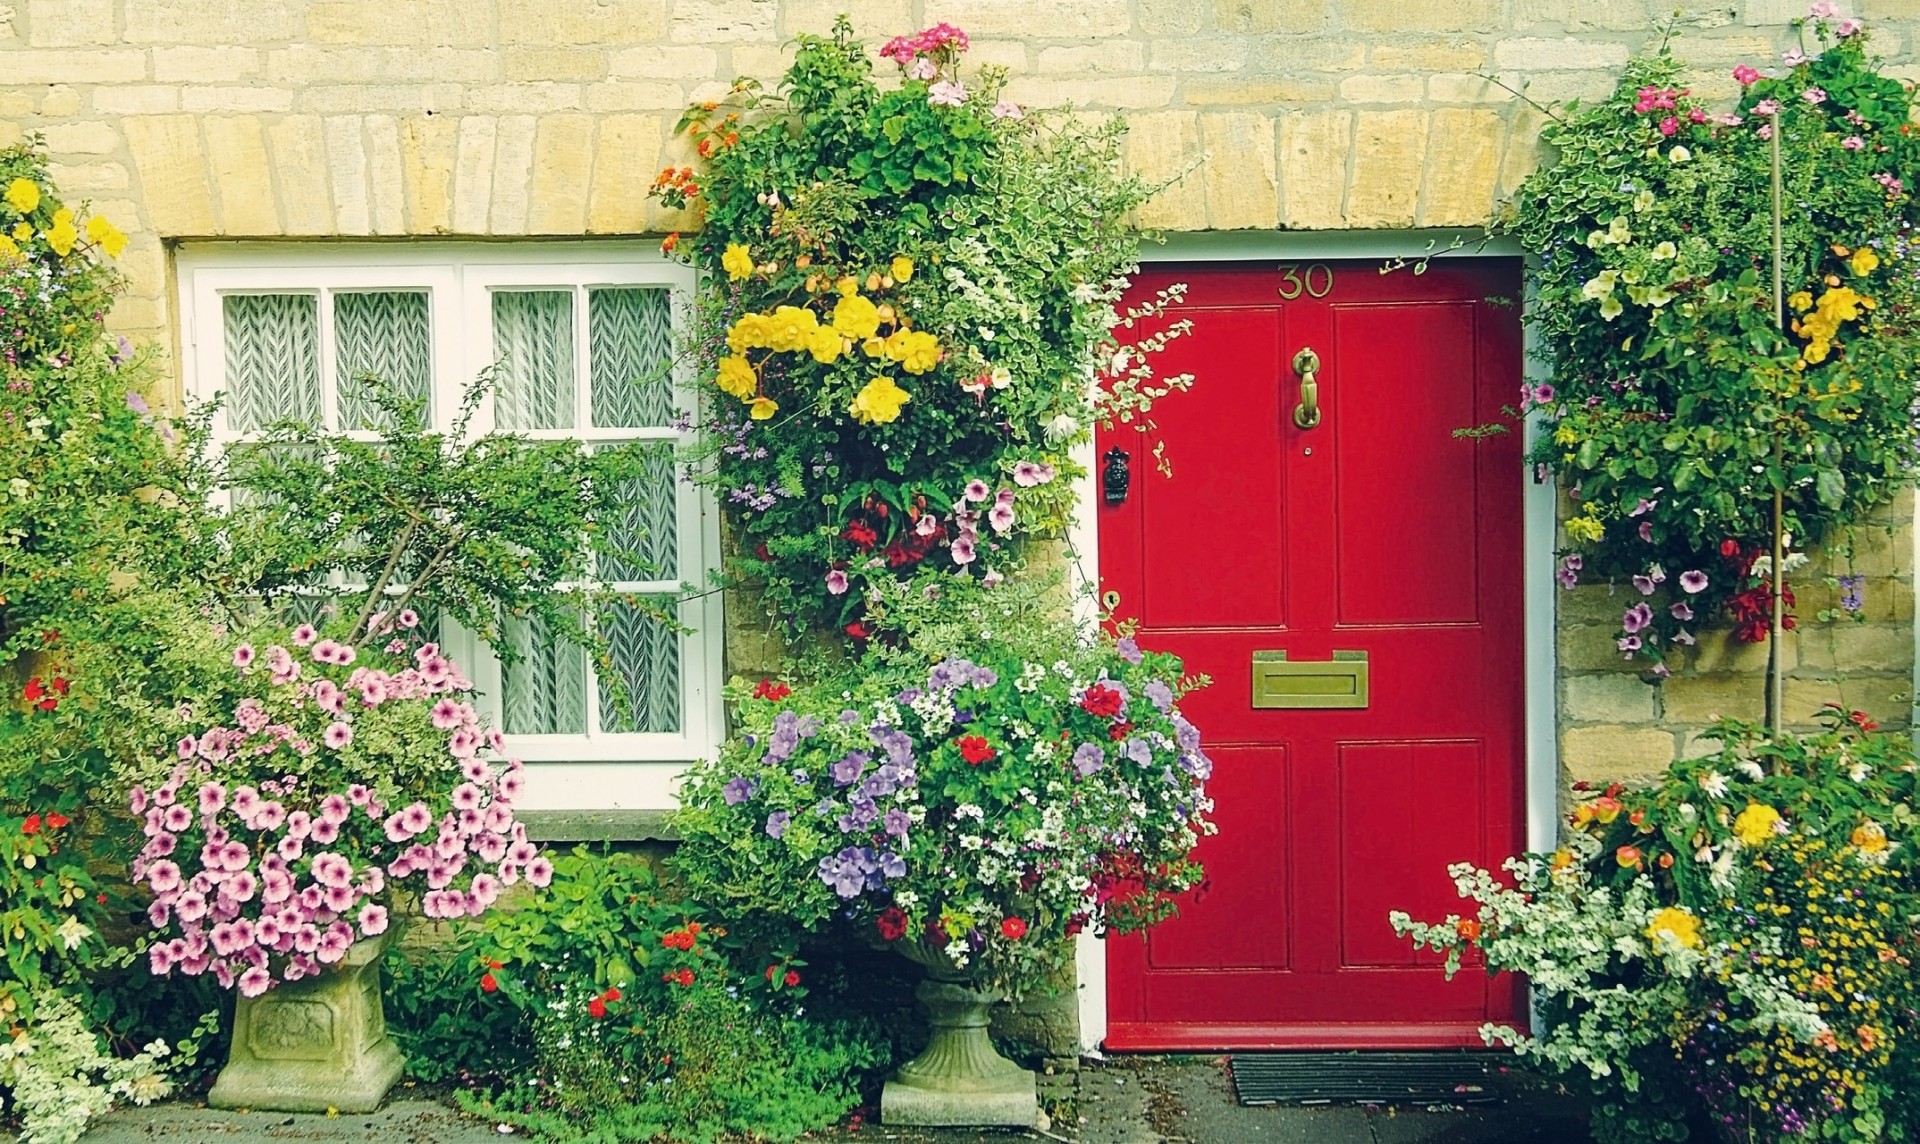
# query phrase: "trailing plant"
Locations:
[[641, 1025], [1678, 404], [1733, 943], [277, 836], [987, 782], [909, 294]]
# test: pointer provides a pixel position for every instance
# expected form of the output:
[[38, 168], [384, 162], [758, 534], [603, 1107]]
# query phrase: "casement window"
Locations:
[[580, 339]]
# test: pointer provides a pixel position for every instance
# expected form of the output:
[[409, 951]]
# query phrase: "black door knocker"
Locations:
[[1115, 478]]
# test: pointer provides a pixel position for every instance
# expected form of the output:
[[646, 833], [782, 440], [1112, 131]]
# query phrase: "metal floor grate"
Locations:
[[1362, 1078]]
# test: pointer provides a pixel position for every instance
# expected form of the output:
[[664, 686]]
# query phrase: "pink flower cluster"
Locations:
[[942, 38], [1649, 99], [275, 879]]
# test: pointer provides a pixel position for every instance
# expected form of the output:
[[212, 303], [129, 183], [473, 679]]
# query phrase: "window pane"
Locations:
[[646, 653], [533, 349], [544, 691], [385, 335], [630, 356], [273, 360], [646, 525]]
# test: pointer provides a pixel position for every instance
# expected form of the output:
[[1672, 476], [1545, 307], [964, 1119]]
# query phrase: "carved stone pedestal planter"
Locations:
[[961, 1079], [313, 1045]]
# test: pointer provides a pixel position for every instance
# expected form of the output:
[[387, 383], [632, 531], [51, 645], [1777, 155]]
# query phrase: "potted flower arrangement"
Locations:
[[1680, 400], [985, 784], [1731, 946], [910, 295], [328, 778]]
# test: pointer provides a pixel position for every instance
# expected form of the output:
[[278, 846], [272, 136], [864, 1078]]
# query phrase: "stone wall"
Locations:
[[187, 119]]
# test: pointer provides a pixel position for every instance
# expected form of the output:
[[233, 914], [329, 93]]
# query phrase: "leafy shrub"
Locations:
[[641, 1025], [1732, 944]]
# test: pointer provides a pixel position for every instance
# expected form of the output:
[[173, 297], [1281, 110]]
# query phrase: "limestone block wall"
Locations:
[[410, 119]]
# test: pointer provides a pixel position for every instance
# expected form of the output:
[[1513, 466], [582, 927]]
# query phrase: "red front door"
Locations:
[[1375, 533]]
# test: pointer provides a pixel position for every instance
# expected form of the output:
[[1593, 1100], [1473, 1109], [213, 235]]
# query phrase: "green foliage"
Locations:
[[908, 292], [1678, 405], [61, 1076], [641, 1028], [980, 786], [1732, 944], [448, 1028], [478, 529]]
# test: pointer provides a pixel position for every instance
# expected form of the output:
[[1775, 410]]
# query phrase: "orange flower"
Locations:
[[1629, 857], [1468, 929], [668, 243]]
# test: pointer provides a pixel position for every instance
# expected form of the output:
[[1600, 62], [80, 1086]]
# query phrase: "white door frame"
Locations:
[[1542, 771]]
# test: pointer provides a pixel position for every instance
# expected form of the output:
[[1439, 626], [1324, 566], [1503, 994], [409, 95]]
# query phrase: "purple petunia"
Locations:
[[738, 790], [1693, 580], [1088, 758], [1129, 650], [777, 823], [1636, 618]]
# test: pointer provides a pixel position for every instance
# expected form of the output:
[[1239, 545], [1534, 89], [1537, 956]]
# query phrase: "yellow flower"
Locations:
[[847, 285], [1800, 300], [1678, 924], [1864, 262], [919, 351], [1665, 251], [749, 332], [23, 195], [790, 327], [62, 234], [8, 251], [1585, 528], [737, 377], [1564, 434], [856, 317], [761, 408], [825, 344], [874, 347], [23, 232], [1610, 308], [1755, 824], [737, 262], [902, 268], [880, 402], [106, 236], [1870, 837]]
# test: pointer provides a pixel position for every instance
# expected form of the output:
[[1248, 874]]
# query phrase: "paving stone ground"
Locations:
[[1131, 1100]]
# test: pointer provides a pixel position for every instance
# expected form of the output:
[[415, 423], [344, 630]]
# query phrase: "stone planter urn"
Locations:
[[315, 1045], [961, 1079]]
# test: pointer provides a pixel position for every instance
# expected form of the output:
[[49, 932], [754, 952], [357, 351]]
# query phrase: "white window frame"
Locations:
[[594, 771]]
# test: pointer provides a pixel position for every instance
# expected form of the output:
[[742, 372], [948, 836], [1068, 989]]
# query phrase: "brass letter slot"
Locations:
[[1337, 683]]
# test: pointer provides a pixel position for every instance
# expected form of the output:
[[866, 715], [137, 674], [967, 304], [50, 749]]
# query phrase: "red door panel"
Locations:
[[1377, 531]]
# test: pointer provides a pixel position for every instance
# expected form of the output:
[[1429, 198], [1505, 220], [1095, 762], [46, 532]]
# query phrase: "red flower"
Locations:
[[1119, 731], [1860, 720], [31, 825], [1102, 701], [35, 689], [772, 689], [612, 993], [1013, 928], [858, 630], [792, 978], [56, 820], [975, 749], [684, 977], [596, 1008], [862, 535], [60, 685], [1730, 548], [893, 923], [488, 984]]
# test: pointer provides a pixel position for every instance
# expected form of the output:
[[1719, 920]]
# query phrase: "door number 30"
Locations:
[[1316, 281]]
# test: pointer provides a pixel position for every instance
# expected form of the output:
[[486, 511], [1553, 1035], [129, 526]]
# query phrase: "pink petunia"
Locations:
[[446, 714], [464, 743], [177, 818], [243, 655], [331, 869], [190, 907], [305, 634], [163, 876], [373, 918], [1746, 75], [540, 872], [337, 736], [213, 798]]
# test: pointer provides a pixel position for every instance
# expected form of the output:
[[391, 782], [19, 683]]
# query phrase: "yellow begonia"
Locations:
[[874, 347], [902, 268], [918, 352], [737, 262], [106, 236], [1676, 923], [761, 408], [826, 344], [879, 402], [847, 285], [737, 377], [8, 250], [1755, 826], [790, 328], [748, 332], [856, 317], [1800, 300], [1864, 262], [23, 195], [1835, 308], [62, 234]]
